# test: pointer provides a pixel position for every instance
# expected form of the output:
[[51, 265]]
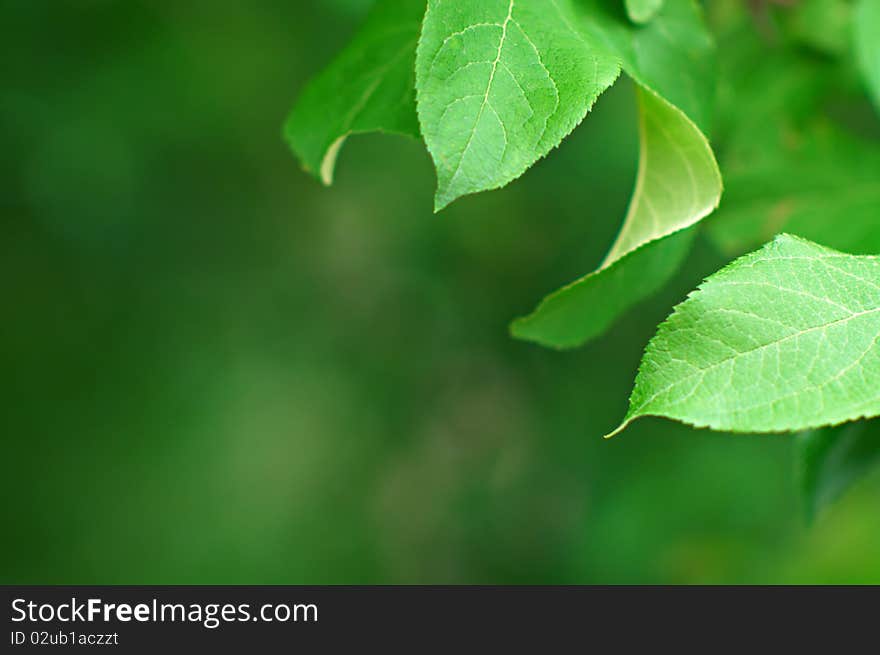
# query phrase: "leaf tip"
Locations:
[[328, 163], [516, 328], [519, 328], [620, 428], [442, 200], [529, 328]]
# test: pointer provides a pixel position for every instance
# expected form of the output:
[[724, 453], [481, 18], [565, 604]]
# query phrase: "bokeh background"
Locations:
[[217, 371]]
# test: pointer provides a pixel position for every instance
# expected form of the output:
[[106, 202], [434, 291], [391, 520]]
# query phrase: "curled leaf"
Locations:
[[678, 181], [678, 184]]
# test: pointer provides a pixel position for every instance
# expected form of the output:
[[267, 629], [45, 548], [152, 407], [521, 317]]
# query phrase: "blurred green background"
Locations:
[[217, 371]]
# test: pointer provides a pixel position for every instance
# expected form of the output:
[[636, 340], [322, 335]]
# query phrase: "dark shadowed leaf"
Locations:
[[369, 87], [830, 460]]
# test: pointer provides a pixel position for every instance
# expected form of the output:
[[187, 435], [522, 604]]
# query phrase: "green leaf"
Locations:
[[587, 307], [641, 11], [499, 84], [867, 44], [784, 339], [832, 459], [678, 181], [824, 25], [678, 184], [368, 87]]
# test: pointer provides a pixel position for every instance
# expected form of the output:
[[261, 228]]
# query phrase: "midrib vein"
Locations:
[[485, 102], [794, 335]]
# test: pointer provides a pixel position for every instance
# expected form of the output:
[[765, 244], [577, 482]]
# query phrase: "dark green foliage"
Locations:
[[500, 82]]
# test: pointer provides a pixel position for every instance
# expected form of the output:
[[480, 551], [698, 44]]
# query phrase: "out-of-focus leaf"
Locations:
[[824, 25], [641, 11], [368, 87], [830, 460], [867, 44], [821, 185], [786, 167], [784, 339]]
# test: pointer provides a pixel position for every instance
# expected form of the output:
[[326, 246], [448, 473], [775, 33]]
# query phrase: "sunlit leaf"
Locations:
[[784, 339], [500, 84]]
